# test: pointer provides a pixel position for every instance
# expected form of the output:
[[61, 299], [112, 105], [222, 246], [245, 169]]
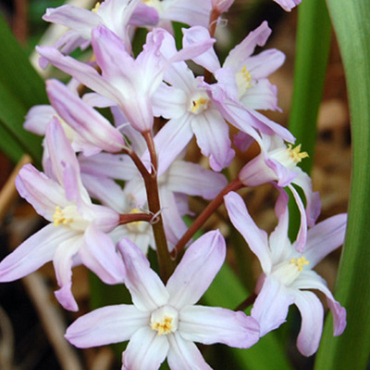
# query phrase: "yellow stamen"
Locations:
[[59, 217], [296, 153], [163, 327], [96, 7], [300, 262], [246, 76], [199, 104]]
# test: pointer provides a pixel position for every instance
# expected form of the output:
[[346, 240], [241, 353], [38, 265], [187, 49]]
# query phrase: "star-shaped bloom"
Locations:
[[163, 320], [287, 274], [277, 164], [78, 229]]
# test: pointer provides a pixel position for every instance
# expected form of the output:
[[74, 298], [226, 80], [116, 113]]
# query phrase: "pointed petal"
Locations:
[[96, 132], [192, 179], [197, 269], [209, 59], [63, 262], [41, 192], [38, 117], [212, 135], [243, 50], [209, 325], [312, 280], [171, 140], [312, 314], [145, 286], [146, 350], [271, 306], [184, 355], [99, 254], [33, 253], [324, 238], [76, 18], [112, 324], [254, 236]]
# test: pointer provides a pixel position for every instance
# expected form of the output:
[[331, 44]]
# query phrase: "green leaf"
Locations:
[[312, 52], [351, 349], [20, 89], [227, 291]]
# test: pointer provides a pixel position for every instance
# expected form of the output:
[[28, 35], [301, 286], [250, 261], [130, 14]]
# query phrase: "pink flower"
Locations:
[[287, 274], [78, 229], [163, 321]]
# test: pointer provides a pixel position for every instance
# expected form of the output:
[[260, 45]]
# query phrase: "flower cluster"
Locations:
[[116, 182]]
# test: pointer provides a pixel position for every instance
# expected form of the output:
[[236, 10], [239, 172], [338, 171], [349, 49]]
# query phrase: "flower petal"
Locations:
[[146, 350], [254, 236], [324, 238], [99, 254], [197, 269], [271, 306], [33, 253], [145, 286], [312, 314], [311, 280], [106, 325], [210, 325], [184, 355]]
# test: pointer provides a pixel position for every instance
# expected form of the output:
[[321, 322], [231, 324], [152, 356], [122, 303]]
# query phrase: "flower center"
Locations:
[[156, 4], [289, 156], [243, 80], [69, 217], [96, 7], [198, 103], [287, 271], [164, 320]]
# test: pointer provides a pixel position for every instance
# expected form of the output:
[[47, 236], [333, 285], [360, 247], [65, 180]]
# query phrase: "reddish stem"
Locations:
[[246, 303], [134, 217], [207, 212]]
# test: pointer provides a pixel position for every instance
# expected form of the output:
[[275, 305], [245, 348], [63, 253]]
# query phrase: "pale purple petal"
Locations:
[[84, 73], [174, 225], [145, 286], [254, 236], [41, 192], [106, 190], [191, 12], [76, 18], [263, 95], [112, 324], [146, 350], [300, 243], [119, 167], [192, 179], [184, 355], [171, 140], [311, 280], [262, 65], [209, 325], [271, 306], [207, 60], [96, 132], [63, 262], [324, 238], [98, 253], [212, 133], [144, 15], [312, 314], [197, 269], [169, 102], [242, 51], [313, 203], [288, 5], [33, 252], [38, 117]]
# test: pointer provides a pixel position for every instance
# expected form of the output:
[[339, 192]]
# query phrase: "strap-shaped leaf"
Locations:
[[351, 350], [20, 89]]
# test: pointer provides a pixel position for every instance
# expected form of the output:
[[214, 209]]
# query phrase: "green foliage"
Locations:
[[20, 89]]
